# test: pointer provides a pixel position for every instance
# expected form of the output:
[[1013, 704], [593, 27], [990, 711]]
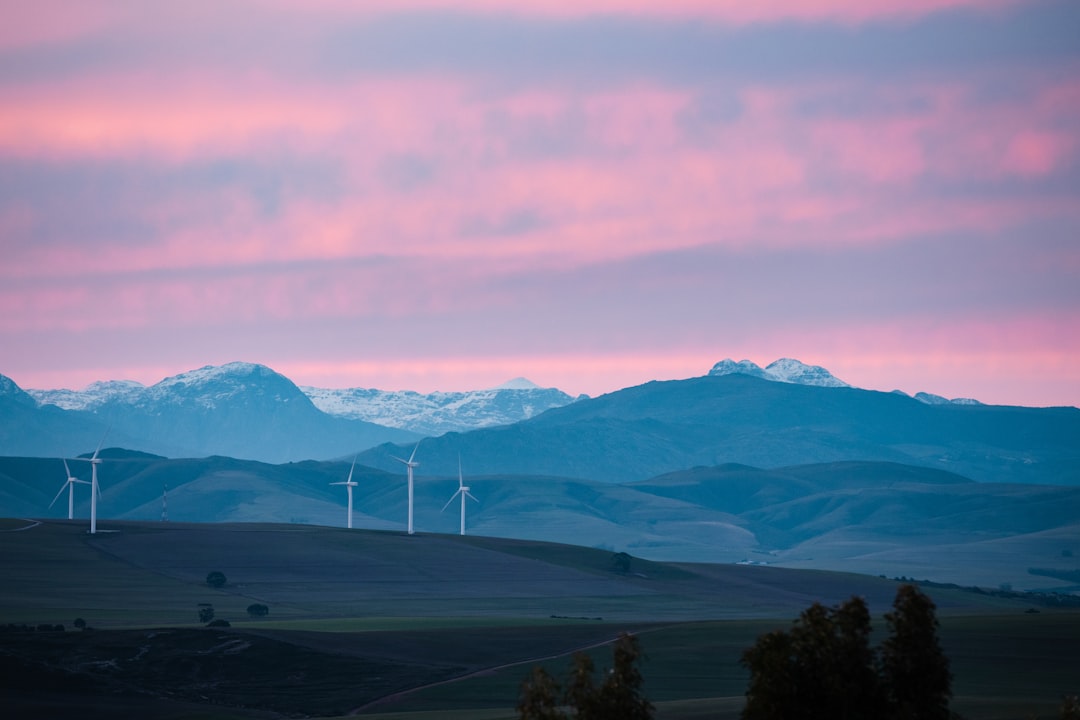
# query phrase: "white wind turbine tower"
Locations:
[[69, 485], [95, 490], [410, 464], [463, 491], [349, 485]]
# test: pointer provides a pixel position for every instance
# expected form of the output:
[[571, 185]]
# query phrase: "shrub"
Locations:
[[258, 610], [218, 623], [216, 579], [206, 613], [79, 623]]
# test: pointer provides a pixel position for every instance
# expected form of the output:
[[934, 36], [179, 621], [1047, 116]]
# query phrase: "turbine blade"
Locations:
[[102, 441], [470, 495], [351, 469], [403, 462], [413, 456], [67, 469], [450, 500], [62, 488], [77, 480]]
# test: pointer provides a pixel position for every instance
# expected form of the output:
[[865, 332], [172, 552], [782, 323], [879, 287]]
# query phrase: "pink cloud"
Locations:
[[728, 11]]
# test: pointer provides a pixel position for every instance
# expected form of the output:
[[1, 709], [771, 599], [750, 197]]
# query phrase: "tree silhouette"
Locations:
[[824, 666], [915, 671], [215, 579], [618, 697]]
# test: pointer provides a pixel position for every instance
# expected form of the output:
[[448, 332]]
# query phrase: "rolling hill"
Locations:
[[869, 517]]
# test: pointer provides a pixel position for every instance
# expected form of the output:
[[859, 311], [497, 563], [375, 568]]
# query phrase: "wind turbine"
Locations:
[[95, 489], [69, 484], [463, 491], [349, 485], [410, 464]]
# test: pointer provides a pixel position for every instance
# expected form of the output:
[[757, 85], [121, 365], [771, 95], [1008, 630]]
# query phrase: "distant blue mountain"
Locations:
[[239, 409], [661, 427]]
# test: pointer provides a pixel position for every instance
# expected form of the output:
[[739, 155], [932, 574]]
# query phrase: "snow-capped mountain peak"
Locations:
[[793, 371], [518, 383], [743, 367], [786, 370]]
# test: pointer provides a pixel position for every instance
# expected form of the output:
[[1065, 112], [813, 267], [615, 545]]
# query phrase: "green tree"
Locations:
[[216, 579], [206, 613], [915, 671], [79, 623]]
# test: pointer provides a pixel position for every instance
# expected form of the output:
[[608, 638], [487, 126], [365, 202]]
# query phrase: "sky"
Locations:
[[437, 195]]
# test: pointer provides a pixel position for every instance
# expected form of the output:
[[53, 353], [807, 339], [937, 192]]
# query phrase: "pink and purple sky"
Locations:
[[437, 195]]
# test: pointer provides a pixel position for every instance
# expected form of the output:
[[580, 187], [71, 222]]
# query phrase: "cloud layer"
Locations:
[[440, 195]]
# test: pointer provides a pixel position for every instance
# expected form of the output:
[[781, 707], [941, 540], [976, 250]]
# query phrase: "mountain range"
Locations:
[[785, 414]]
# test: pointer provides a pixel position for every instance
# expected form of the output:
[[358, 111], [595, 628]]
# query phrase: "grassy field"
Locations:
[[431, 626]]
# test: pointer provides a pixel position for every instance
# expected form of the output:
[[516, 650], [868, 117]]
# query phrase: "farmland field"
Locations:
[[432, 626]]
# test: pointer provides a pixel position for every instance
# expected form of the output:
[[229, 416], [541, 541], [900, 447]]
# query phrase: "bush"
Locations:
[[79, 623], [258, 610], [216, 579], [218, 623], [206, 613]]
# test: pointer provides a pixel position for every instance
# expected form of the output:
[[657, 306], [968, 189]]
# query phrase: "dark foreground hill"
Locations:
[[875, 518], [660, 427], [363, 621]]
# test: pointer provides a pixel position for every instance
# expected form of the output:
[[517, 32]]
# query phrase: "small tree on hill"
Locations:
[[215, 579], [79, 623], [258, 610], [206, 613]]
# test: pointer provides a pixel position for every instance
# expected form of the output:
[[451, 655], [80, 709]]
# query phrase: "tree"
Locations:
[[539, 697], [618, 697], [216, 579], [915, 671], [620, 694], [621, 561], [206, 613], [824, 666], [79, 623], [258, 610]]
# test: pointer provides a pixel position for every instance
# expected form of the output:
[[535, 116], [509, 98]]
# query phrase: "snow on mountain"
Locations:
[[931, 399], [92, 397], [440, 412], [518, 383], [793, 371], [9, 390], [213, 384], [784, 370]]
